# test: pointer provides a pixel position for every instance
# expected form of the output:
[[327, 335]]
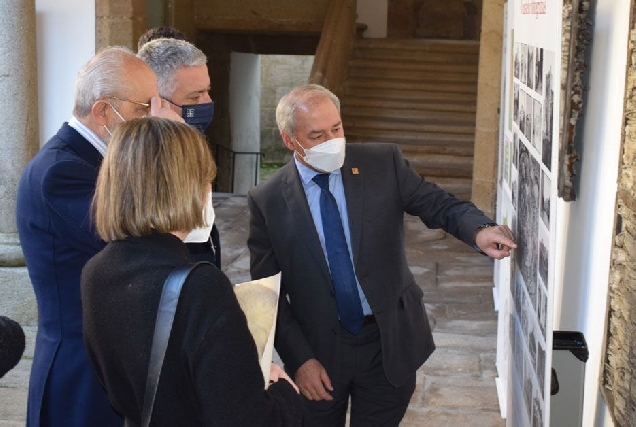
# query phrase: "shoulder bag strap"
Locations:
[[165, 316]]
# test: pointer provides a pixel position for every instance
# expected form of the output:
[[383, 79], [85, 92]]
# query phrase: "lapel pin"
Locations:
[[355, 171]]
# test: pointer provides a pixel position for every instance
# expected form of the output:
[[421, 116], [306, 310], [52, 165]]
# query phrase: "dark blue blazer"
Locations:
[[54, 195]]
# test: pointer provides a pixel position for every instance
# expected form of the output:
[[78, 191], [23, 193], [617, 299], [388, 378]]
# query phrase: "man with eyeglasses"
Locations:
[[57, 237], [182, 75]]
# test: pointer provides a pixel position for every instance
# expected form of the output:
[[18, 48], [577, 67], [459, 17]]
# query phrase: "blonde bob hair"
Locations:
[[155, 176]]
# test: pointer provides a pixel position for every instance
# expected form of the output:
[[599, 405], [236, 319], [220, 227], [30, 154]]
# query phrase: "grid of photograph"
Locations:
[[526, 179]]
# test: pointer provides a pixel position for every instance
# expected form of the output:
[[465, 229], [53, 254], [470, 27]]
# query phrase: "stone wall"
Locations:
[[260, 16], [434, 19], [279, 74], [119, 22], [619, 371], [488, 98]]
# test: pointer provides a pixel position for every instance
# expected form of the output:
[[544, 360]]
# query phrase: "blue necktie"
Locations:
[[342, 274]]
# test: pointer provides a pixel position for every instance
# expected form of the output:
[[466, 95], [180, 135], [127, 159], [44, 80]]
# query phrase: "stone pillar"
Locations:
[[19, 124], [488, 97], [18, 144], [331, 60], [245, 101]]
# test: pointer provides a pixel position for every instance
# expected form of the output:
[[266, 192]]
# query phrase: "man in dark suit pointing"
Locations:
[[351, 322]]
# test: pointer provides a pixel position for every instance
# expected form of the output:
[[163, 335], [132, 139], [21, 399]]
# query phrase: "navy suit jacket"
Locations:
[[380, 187], [54, 195]]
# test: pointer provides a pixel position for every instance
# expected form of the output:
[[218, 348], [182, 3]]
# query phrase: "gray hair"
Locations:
[[100, 78], [306, 95], [165, 56]]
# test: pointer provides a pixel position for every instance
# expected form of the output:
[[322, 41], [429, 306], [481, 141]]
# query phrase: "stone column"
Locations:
[[245, 97], [488, 97], [19, 123], [336, 43]]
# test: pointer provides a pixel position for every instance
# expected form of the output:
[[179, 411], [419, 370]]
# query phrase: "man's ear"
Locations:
[[288, 140], [98, 111]]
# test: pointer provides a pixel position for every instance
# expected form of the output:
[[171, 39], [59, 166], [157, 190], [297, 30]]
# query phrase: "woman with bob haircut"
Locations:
[[152, 190]]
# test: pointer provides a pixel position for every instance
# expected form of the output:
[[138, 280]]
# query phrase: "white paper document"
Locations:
[[259, 301]]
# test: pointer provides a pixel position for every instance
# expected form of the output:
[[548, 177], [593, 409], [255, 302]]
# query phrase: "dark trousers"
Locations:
[[374, 401]]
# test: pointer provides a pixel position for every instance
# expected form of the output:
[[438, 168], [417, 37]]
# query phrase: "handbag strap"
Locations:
[[165, 316]]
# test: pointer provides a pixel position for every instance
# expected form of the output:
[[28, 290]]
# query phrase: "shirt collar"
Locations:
[[88, 134], [307, 174]]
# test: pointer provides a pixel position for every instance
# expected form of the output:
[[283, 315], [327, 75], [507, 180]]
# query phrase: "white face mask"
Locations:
[[202, 234], [327, 156]]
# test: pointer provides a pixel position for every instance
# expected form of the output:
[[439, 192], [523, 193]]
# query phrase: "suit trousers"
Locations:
[[360, 377]]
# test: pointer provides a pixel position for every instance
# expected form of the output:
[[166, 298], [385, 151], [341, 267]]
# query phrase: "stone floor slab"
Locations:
[[459, 362], [467, 296], [434, 418], [466, 270], [468, 394], [472, 342], [18, 377], [470, 327], [12, 406]]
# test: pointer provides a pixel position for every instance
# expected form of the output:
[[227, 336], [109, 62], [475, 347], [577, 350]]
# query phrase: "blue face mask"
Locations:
[[197, 115]]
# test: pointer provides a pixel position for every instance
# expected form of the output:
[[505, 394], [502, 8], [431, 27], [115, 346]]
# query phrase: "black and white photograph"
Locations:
[[530, 68], [532, 348], [538, 80], [515, 150], [524, 315], [548, 106], [512, 336], [528, 125], [518, 372], [519, 294], [542, 312], [543, 258], [537, 413], [522, 111], [528, 218], [536, 124], [515, 103], [541, 367], [523, 63], [528, 387], [546, 187]]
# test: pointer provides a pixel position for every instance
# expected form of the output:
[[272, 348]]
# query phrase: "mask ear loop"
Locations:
[[116, 112], [170, 101], [304, 150], [178, 106]]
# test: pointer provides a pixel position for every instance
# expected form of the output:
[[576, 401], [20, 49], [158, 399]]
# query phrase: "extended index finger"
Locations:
[[155, 105]]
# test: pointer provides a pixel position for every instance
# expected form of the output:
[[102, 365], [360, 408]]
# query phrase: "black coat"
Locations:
[[211, 375]]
